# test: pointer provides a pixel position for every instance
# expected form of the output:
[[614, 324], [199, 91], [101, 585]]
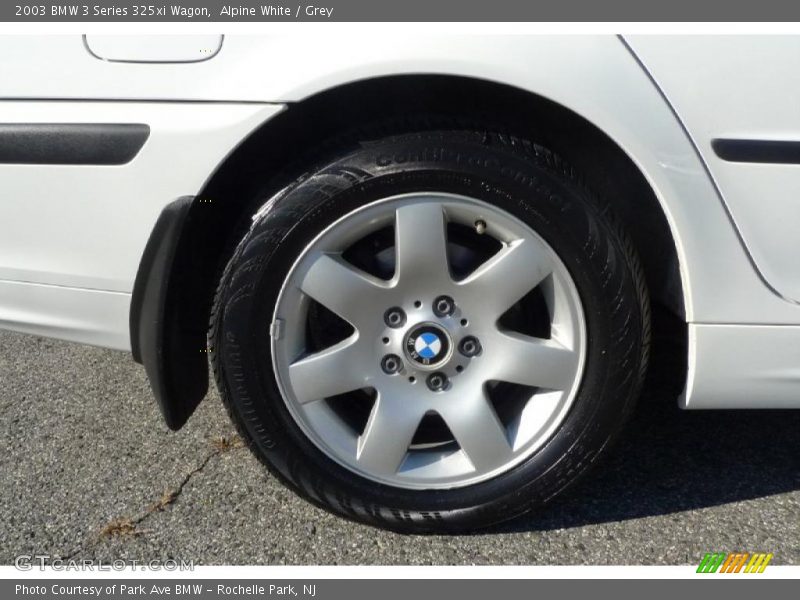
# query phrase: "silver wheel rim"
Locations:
[[389, 449]]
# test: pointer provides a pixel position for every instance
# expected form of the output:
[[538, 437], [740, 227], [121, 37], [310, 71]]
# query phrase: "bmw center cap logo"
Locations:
[[427, 345]]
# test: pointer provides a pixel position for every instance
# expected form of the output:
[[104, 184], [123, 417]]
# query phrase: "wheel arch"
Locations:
[[277, 152]]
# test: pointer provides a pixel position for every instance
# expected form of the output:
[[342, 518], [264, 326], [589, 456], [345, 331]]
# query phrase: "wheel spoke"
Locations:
[[507, 276], [335, 370], [421, 242], [477, 430], [341, 288], [534, 361], [390, 428]]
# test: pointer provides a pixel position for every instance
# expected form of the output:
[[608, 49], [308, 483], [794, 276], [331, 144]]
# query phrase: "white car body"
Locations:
[[72, 236]]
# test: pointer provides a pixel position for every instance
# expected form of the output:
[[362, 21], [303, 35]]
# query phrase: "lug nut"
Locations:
[[443, 306], [437, 381], [394, 317], [391, 364], [470, 346]]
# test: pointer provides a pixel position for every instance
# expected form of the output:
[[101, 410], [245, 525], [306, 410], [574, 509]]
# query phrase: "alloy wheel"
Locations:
[[428, 341]]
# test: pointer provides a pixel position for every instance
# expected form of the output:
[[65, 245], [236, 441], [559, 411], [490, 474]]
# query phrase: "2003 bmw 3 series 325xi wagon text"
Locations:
[[423, 267]]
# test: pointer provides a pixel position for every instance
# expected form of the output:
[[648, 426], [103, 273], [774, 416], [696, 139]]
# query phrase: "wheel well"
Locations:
[[285, 146]]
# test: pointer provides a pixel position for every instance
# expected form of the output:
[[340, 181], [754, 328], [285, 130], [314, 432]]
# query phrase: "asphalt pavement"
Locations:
[[88, 470]]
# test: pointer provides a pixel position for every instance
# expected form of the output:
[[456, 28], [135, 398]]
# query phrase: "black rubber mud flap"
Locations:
[[173, 356]]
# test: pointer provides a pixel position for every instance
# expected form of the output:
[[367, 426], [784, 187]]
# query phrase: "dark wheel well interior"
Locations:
[[284, 147]]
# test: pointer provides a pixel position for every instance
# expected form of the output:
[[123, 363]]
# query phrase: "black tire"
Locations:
[[527, 181]]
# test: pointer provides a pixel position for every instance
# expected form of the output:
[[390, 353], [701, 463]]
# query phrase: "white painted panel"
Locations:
[[741, 87], [78, 315], [741, 366], [86, 226]]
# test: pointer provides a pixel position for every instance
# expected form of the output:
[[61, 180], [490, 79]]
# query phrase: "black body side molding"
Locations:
[[173, 356], [71, 143], [758, 151]]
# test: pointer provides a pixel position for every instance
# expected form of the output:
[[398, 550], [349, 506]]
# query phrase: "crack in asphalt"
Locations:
[[125, 526]]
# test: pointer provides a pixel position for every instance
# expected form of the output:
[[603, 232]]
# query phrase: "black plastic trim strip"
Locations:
[[173, 358], [757, 151], [71, 143]]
